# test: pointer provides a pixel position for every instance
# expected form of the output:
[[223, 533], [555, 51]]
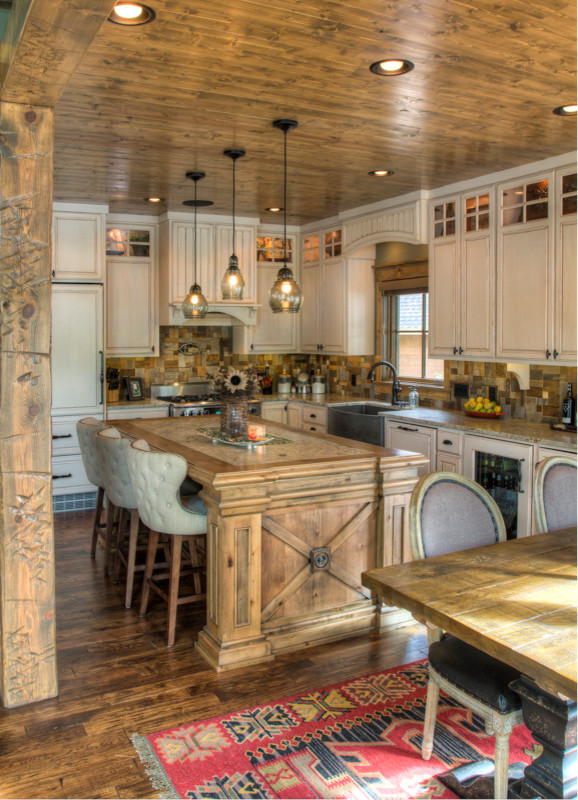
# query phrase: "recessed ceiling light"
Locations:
[[392, 66], [274, 209], [154, 199], [381, 173], [131, 14], [566, 111]]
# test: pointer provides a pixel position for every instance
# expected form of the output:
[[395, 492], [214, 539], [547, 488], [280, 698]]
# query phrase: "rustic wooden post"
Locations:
[[27, 624]]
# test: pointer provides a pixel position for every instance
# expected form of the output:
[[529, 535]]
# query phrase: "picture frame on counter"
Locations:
[[134, 389]]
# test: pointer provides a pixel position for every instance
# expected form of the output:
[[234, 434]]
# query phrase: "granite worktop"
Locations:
[[503, 428]]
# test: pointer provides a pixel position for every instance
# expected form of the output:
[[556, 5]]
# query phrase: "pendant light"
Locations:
[[233, 285], [285, 295], [195, 304]]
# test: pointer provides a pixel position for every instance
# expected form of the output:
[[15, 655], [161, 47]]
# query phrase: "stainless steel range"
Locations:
[[192, 399]]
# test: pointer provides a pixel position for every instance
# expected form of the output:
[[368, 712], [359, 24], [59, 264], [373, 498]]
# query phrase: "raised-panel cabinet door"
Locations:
[[131, 326], [333, 306], [415, 439], [245, 252], [182, 260], [273, 333], [525, 300], [477, 298], [448, 463], [295, 415], [276, 411], [77, 349], [444, 315], [311, 310], [565, 308], [77, 246]]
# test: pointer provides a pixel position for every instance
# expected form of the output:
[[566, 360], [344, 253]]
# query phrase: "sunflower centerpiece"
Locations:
[[234, 387]]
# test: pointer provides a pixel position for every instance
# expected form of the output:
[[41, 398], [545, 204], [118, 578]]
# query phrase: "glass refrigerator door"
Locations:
[[501, 476]]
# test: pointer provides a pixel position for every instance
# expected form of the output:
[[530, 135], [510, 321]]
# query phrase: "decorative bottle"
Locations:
[[413, 397], [568, 407]]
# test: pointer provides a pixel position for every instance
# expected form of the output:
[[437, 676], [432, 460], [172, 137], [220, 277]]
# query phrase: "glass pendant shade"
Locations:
[[195, 303], [285, 295], [233, 285]]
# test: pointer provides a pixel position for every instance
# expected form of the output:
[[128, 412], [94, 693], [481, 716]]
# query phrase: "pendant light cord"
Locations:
[[196, 231], [285, 197], [234, 206]]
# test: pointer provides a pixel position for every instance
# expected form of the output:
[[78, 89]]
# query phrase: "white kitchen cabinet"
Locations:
[[414, 438], [314, 418], [448, 463], [68, 474], [462, 275], [295, 415], [338, 304], [275, 411], [525, 269], [536, 303], [177, 260], [142, 412], [77, 349], [78, 243], [131, 308], [565, 328]]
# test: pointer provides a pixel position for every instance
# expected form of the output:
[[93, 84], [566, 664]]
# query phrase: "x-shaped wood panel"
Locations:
[[287, 537]]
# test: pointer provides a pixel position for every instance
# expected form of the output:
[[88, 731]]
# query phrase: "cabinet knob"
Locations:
[[455, 351], [461, 350], [548, 354], [153, 348], [556, 354]]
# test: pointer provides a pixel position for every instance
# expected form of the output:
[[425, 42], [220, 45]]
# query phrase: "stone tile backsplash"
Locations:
[[187, 352]]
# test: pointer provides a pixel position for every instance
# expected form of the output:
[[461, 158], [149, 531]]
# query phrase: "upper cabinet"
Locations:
[[536, 268], [132, 327], [338, 307], [462, 275], [503, 271], [273, 333], [78, 243]]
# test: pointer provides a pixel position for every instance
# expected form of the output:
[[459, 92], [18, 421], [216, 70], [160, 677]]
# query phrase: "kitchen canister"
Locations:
[[318, 384], [284, 384]]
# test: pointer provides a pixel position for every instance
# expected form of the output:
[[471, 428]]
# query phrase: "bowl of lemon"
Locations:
[[483, 408]]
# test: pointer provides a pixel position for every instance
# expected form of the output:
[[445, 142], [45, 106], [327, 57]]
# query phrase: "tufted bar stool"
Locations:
[[555, 493], [111, 451], [86, 430], [157, 478]]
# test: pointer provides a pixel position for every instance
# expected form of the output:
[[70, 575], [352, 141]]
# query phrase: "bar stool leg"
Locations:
[[131, 557], [110, 509], [97, 523], [150, 563], [174, 580], [120, 532]]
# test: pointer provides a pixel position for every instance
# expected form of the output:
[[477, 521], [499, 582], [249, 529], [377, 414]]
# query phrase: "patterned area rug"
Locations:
[[358, 740]]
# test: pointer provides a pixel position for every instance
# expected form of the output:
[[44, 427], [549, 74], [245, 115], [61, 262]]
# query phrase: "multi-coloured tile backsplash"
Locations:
[[187, 352]]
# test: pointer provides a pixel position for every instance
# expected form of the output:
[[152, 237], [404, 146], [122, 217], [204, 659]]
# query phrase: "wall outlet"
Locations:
[[493, 393], [461, 390]]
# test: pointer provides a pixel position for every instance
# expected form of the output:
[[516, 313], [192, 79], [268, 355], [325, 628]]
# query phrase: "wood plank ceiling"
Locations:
[[149, 103]]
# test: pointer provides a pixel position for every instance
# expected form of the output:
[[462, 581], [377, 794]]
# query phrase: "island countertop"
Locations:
[[291, 525]]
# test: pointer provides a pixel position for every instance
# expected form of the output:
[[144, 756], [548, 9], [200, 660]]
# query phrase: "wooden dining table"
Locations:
[[515, 600]]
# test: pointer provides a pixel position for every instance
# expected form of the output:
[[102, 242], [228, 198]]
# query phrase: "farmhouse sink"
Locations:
[[359, 421]]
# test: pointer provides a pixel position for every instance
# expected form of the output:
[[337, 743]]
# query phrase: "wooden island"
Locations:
[[291, 527]]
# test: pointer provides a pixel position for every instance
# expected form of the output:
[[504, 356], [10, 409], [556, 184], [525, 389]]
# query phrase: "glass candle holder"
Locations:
[[256, 432]]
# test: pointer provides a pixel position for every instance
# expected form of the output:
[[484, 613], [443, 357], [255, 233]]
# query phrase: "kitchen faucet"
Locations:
[[395, 387]]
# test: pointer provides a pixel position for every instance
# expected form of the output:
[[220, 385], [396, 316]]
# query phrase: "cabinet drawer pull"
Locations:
[[448, 441], [312, 428], [313, 416], [56, 477], [404, 428], [62, 436]]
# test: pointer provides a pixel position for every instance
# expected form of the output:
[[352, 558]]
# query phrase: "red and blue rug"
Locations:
[[358, 740]]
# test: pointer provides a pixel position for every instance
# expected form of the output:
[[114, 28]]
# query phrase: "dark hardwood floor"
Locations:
[[116, 677]]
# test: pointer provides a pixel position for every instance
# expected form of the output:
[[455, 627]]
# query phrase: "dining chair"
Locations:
[[449, 512], [86, 431], [555, 493], [111, 451], [157, 478]]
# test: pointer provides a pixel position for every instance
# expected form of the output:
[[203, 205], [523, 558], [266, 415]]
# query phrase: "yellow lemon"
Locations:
[[479, 407], [497, 409], [479, 399]]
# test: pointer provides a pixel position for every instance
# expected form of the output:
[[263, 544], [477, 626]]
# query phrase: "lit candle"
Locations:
[[256, 432]]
